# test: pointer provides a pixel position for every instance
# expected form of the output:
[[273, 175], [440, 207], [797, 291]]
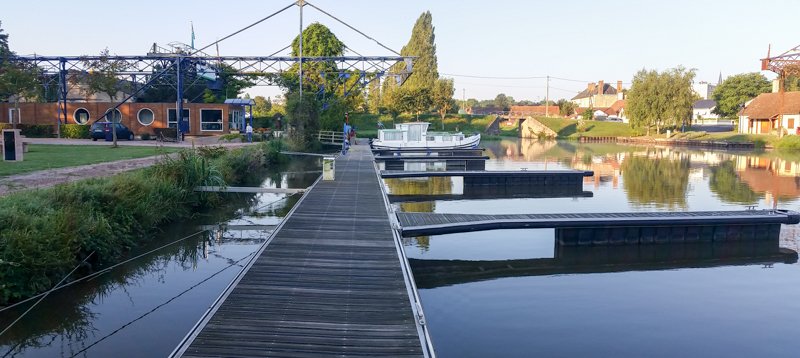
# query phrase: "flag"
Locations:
[[192, 33]]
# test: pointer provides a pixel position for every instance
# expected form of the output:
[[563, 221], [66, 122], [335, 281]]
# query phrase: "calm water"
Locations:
[[662, 301], [145, 307]]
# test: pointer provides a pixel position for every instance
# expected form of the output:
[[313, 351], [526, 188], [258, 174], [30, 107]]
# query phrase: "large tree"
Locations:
[[17, 79], [261, 106], [736, 90], [503, 102], [443, 91], [422, 44], [103, 77], [4, 50], [661, 99], [425, 70]]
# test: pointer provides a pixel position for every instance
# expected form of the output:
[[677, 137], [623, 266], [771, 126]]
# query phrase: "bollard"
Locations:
[[328, 168]]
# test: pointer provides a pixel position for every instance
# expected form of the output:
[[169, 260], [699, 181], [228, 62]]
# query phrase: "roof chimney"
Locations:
[[600, 88], [590, 87], [619, 86]]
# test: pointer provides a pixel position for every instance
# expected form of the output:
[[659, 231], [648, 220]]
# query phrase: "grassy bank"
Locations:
[[45, 233], [568, 128], [50, 156]]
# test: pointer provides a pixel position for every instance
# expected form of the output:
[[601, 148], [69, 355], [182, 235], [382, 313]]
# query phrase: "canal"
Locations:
[[516, 293], [143, 308], [510, 293]]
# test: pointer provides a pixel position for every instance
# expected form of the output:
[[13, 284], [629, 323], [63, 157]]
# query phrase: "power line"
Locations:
[[495, 77]]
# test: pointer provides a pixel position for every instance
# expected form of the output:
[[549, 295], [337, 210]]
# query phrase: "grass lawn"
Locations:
[[49, 156], [567, 128], [740, 137]]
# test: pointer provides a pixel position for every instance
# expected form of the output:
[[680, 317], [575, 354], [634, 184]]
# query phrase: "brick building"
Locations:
[[204, 118]]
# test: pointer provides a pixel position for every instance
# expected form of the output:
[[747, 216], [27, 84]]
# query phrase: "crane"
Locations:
[[785, 64]]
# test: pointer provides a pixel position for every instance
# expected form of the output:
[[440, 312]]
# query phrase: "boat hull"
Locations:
[[467, 143]]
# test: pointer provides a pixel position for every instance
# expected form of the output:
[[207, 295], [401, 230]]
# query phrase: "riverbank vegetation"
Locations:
[[46, 233], [51, 156]]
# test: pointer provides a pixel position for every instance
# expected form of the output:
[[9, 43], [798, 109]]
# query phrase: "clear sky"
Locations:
[[583, 40]]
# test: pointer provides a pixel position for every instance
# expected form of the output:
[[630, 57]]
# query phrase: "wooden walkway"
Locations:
[[330, 282], [416, 224]]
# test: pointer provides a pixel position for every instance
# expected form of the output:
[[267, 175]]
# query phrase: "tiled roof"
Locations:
[[768, 105], [705, 104], [607, 89]]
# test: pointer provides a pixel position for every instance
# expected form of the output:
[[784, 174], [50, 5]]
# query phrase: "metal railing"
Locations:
[[330, 137]]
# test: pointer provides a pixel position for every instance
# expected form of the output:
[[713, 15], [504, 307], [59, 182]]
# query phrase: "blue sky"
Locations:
[[581, 40]]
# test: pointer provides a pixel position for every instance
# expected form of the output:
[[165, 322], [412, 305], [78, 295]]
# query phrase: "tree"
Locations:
[[422, 44], [102, 78], [413, 100], [261, 106], [318, 41], [736, 90], [374, 103], [302, 117], [566, 108], [502, 101], [661, 99], [442, 97], [425, 69], [4, 50]]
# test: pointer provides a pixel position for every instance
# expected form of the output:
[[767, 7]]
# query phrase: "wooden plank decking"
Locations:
[[329, 283]]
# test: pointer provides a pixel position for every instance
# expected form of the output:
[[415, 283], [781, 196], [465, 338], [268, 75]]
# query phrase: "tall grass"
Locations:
[[45, 233]]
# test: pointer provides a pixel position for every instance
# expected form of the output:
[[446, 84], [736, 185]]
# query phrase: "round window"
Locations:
[[145, 116], [81, 116], [116, 117]]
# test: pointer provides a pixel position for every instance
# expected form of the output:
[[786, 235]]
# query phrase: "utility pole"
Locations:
[[300, 4], [547, 98], [464, 99]]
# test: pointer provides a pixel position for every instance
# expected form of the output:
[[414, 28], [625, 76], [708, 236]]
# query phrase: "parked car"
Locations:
[[99, 130]]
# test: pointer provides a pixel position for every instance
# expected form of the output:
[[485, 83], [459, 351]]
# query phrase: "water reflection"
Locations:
[[143, 308], [661, 177], [595, 259]]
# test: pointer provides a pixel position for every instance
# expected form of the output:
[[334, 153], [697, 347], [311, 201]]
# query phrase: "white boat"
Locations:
[[415, 135]]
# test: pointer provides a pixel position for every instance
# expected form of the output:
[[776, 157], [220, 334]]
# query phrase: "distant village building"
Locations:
[[771, 111], [704, 109], [703, 89], [617, 111], [533, 110], [599, 95]]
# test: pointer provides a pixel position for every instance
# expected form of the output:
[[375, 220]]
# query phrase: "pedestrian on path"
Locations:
[[345, 135], [249, 131]]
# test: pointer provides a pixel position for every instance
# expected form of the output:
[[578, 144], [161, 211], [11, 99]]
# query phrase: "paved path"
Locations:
[[47, 178], [52, 177]]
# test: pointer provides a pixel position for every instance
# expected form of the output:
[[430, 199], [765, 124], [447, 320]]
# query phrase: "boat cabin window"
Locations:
[[431, 138], [392, 135], [414, 133], [447, 138]]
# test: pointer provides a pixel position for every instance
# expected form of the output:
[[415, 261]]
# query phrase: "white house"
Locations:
[[771, 111], [704, 109]]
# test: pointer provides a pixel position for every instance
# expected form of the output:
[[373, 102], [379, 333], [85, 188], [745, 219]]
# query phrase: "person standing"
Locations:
[[249, 131], [345, 136]]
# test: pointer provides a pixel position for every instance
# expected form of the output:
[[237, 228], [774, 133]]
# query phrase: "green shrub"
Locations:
[[145, 136], [230, 137], [75, 131], [37, 130], [45, 233]]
